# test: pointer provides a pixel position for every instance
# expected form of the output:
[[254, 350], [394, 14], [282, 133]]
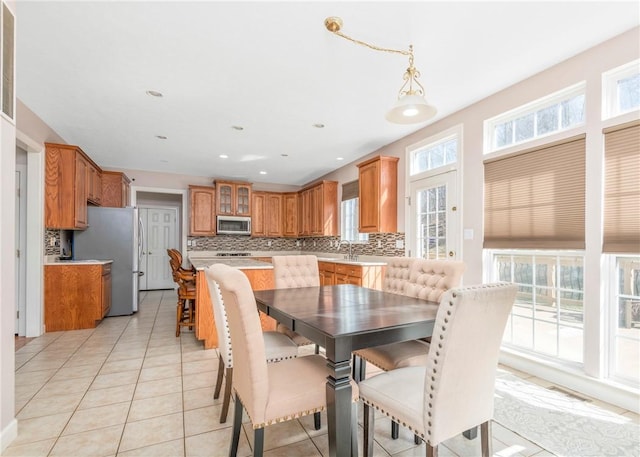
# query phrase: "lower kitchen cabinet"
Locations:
[[332, 273], [76, 296]]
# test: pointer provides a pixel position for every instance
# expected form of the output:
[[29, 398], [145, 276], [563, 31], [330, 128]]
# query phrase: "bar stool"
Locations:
[[186, 280]]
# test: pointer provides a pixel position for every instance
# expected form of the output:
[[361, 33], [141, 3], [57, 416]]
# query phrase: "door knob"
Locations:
[[451, 253]]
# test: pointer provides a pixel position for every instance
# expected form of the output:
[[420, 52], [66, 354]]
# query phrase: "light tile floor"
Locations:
[[131, 388]]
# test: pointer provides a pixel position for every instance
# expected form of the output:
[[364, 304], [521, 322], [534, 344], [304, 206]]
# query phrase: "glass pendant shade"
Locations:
[[411, 109]]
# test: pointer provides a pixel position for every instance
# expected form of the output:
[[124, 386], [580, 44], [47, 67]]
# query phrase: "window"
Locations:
[[625, 329], [547, 317], [349, 218], [349, 214], [535, 199], [621, 90], [559, 111], [434, 155]]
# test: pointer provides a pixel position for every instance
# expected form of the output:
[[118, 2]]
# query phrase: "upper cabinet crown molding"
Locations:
[[378, 191]]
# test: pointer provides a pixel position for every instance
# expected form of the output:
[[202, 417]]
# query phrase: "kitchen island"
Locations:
[[260, 276]]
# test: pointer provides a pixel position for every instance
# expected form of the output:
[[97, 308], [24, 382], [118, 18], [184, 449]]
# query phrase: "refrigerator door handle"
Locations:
[[140, 240]]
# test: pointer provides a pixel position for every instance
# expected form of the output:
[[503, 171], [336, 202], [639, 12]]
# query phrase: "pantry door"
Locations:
[[160, 227]]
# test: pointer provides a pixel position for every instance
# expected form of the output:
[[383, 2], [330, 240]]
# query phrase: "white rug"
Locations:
[[561, 424]]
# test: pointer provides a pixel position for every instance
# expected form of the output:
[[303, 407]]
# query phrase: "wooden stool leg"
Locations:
[[178, 317]]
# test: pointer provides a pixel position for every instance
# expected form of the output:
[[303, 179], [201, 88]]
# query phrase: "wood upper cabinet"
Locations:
[[65, 198], [318, 212], [290, 214], [94, 184], [76, 296], [233, 198], [266, 217], [378, 190], [202, 217], [115, 189]]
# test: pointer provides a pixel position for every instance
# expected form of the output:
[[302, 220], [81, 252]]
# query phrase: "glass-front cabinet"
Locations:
[[233, 198]]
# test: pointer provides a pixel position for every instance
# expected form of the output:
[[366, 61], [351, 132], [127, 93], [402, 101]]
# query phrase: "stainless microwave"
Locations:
[[233, 225]]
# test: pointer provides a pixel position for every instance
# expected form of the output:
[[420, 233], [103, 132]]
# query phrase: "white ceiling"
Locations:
[[271, 67]]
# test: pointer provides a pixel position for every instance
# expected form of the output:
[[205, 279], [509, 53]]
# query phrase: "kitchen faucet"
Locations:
[[340, 243]]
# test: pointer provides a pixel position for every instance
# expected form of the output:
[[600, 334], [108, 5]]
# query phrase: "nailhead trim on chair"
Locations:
[[420, 433], [280, 419]]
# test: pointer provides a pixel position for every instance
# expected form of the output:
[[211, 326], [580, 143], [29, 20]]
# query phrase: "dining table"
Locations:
[[343, 318]]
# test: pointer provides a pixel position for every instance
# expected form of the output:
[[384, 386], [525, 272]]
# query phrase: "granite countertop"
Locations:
[[79, 262], [242, 263]]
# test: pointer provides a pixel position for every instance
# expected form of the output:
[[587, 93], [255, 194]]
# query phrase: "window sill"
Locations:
[[568, 376]]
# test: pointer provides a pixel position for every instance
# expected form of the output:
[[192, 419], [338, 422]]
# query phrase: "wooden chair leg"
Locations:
[[317, 350], [179, 308], [485, 438], [317, 421], [258, 442], [237, 425], [395, 430], [432, 451], [417, 440], [216, 392], [368, 424], [227, 395], [363, 369]]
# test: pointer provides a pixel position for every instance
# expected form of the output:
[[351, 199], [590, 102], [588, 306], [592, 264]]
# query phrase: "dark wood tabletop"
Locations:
[[342, 319]]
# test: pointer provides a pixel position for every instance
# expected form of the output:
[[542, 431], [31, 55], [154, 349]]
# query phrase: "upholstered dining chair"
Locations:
[[291, 271], [274, 392], [454, 391], [427, 279], [277, 346]]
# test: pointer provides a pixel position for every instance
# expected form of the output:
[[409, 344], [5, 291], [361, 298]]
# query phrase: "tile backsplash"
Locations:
[[51, 242], [379, 244]]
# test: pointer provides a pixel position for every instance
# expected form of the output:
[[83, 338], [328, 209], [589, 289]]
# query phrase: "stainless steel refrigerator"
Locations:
[[116, 234]]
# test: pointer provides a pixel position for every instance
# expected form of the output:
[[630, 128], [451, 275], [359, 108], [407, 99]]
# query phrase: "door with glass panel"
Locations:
[[434, 217]]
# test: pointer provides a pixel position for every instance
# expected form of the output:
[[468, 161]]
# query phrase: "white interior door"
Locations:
[[160, 228], [21, 248], [434, 217]]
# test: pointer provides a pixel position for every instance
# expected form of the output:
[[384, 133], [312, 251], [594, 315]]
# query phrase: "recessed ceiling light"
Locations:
[[237, 127], [340, 158], [263, 172], [164, 161], [154, 93], [223, 156], [161, 137], [284, 155], [318, 126]]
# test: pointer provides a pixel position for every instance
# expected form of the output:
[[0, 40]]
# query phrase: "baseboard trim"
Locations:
[[8, 434], [607, 391]]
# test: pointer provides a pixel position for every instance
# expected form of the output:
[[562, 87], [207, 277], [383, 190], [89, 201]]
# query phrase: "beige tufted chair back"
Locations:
[[295, 271], [250, 379], [462, 360], [429, 279], [396, 277]]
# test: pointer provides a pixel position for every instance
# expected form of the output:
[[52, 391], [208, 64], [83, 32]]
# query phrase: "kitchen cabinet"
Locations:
[[76, 296], [94, 184], [115, 189], [327, 271], [378, 190], [332, 273], [266, 214], [202, 217], [290, 214], [318, 211], [65, 189], [233, 198]]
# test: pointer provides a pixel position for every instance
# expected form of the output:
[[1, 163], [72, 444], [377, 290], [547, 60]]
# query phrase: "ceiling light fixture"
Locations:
[[223, 156], [411, 106], [263, 172], [318, 126], [161, 137], [237, 127], [154, 93]]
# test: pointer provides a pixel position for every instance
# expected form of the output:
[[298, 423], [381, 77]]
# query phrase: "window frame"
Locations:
[[531, 108], [610, 78], [455, 132]]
